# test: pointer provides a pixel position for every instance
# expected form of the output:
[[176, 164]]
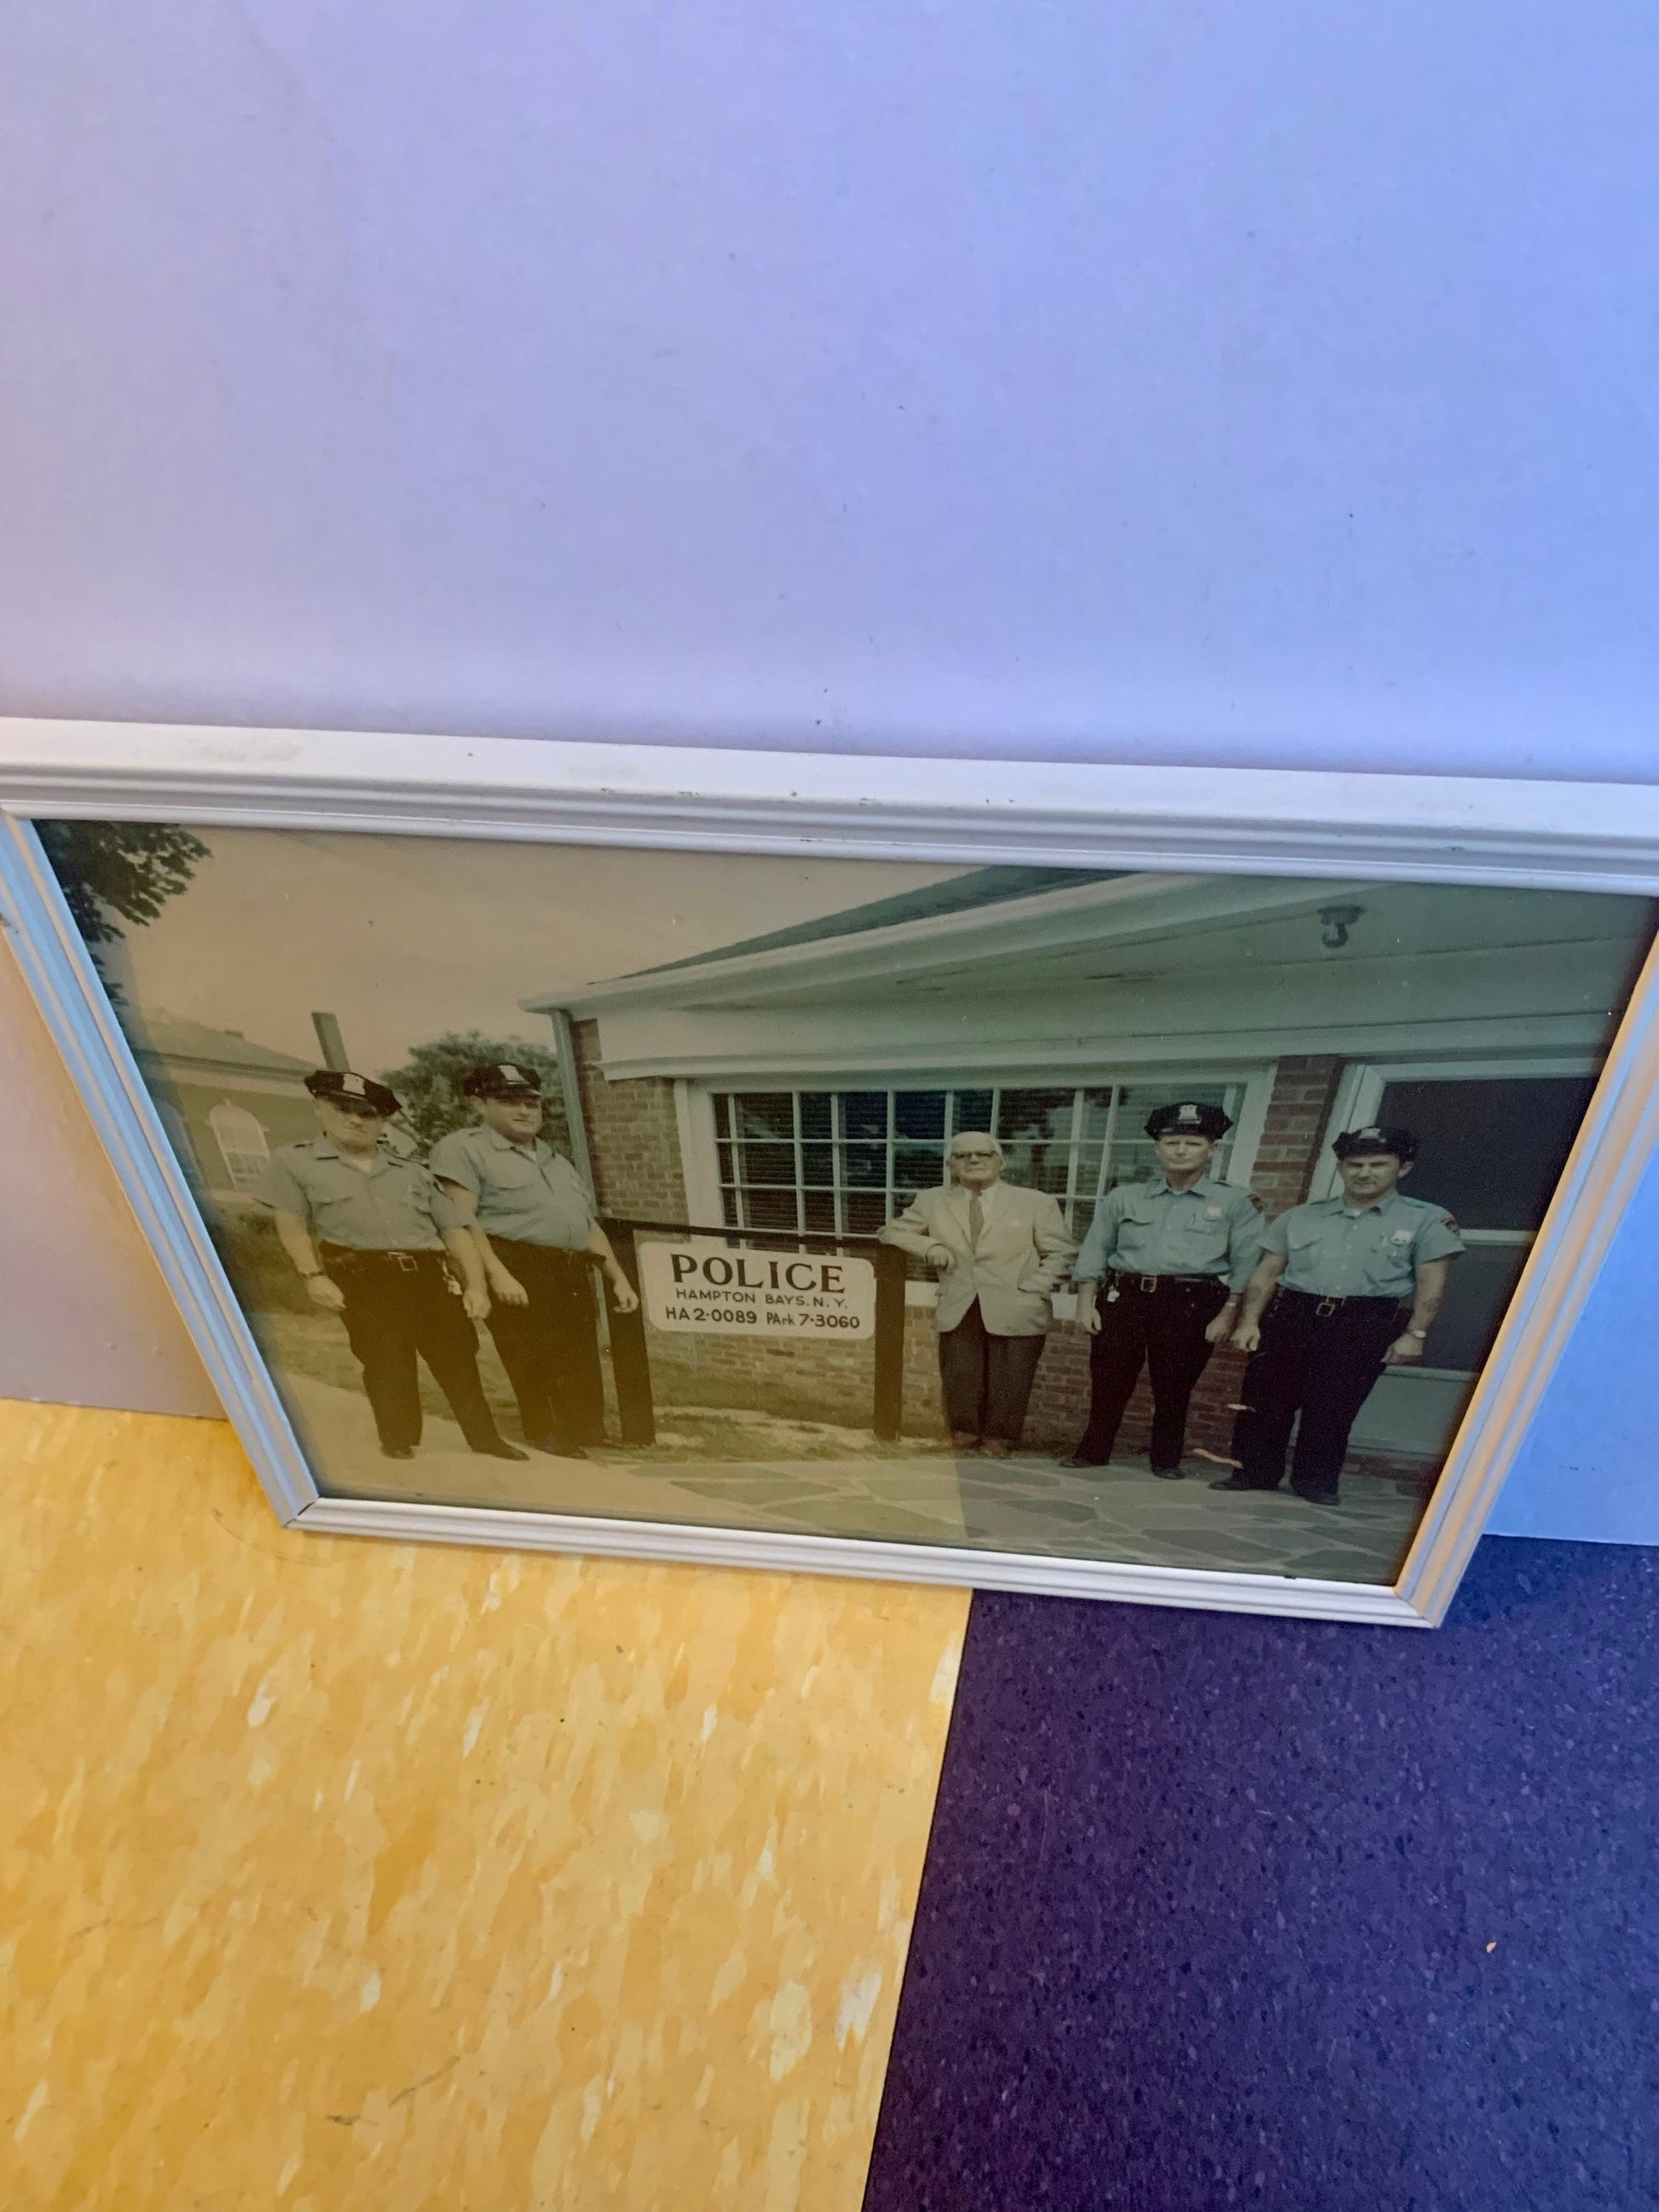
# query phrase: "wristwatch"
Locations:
[[1417, 1332]]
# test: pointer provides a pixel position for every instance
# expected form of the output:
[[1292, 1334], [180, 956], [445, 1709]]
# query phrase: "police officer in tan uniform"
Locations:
[[532, 1223], [378, 1244], [1322, 1314], [1158, 1283]]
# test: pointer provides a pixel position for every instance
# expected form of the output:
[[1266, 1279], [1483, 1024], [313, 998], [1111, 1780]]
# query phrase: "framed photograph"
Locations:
[[1155, 1185]]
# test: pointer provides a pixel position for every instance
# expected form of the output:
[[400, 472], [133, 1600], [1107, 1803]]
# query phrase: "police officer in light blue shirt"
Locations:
[[375, 1242], [532, 1222], [1337, 1271], [1172, 1255]]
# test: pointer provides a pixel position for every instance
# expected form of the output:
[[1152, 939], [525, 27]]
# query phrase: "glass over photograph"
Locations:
[[1153, 1218]]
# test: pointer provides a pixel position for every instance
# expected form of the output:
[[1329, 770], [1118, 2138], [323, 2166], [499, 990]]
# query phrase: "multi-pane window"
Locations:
[[242, 1142], [844, 1162]]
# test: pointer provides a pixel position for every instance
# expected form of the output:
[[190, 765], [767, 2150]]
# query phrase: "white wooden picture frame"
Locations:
[[1597, 838]]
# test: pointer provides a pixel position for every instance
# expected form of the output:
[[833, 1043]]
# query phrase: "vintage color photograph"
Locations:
[[1166, 1219]]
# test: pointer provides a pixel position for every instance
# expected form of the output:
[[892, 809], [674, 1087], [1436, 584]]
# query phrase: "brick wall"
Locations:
[[797, 1380], [1303, 1094], [633, 1135]]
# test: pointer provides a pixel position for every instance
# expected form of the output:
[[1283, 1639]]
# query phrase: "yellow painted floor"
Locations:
[[347, 1875]]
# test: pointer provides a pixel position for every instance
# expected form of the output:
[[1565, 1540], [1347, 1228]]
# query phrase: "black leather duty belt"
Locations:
[[353, 1255], [1324, 1308]]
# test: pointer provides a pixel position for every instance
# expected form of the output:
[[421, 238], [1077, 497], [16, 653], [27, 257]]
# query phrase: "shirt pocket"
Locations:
[[1138, 1230], [1303, 1240], [1202, 1240], [1391, 1266]]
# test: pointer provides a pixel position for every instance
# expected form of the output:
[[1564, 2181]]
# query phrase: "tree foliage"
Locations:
[[428, 1084], [129, 869]]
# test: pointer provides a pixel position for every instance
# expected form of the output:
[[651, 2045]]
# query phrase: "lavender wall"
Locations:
[[1091, 381]]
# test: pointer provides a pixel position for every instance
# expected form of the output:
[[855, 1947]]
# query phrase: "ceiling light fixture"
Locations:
[[1334, 923]]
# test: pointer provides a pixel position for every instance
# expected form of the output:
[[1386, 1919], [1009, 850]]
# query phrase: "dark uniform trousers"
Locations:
[[400, 1307], [550, 1347], [1161, 1328], [1319, 1358], [986, 1379]]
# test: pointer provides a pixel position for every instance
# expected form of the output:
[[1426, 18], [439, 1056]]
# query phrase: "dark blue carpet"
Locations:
[[1228, 1911]]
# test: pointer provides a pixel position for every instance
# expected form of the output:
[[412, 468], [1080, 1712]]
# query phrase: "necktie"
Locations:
[[975, 1217]]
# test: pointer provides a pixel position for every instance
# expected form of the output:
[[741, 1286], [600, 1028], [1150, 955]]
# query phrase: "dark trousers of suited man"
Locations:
[[986, 1381]]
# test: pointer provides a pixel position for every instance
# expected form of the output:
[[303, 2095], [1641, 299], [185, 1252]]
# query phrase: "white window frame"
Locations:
[[699, 1145], [239, 1182]]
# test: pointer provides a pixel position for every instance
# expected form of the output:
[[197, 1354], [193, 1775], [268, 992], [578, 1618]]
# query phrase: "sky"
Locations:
[[405, 937]]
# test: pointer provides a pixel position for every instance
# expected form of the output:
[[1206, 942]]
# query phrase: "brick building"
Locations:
[[808, 1081]]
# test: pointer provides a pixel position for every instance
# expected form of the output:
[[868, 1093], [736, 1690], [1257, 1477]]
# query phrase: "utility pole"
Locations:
[[329, 1041]]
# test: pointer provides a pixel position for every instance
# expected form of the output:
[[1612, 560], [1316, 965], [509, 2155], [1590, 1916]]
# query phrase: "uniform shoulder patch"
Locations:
[[1259, 1204], [1448, 1221]]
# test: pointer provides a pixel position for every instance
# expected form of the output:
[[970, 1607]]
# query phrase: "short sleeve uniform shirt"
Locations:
[[1147, 1229], [1332, 1252], [527, 1193], [394, 1207]]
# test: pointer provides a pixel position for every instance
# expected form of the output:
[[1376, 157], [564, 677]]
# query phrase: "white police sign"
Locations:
[[717, 1290]]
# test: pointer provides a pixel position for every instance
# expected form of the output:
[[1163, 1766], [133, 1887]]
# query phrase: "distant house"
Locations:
[[226, 1102], [810, 1078]]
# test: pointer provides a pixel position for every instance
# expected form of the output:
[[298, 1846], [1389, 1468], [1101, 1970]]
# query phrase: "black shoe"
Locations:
[[1318, 1497], [555, 1450], [1170, 1474], [1077, 1460], [397, 1451], [1237, 1482], [500, 1450]]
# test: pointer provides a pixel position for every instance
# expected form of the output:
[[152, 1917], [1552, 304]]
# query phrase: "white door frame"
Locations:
[[1359, 1094]]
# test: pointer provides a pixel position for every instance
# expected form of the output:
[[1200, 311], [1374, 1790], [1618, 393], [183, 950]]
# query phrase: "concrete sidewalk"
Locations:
[[1026, 1503]]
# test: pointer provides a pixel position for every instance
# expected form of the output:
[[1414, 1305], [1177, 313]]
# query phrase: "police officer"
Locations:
[[533, 1227], [1338, 1271], [1174, 1254], [368, 1230]]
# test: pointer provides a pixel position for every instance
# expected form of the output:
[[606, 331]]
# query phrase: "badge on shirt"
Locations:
[[1402, 1237], [1213, 1214]]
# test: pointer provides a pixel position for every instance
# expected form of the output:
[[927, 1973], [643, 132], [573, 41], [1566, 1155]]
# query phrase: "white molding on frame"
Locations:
[[60, 974], [863, 1558], [1614, 1146], [1464, 830]]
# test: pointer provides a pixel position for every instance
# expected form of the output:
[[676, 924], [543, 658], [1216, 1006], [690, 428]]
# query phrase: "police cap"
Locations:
[[501, 1078], [341, 1088], [1188, 1118], [1376, 1137]]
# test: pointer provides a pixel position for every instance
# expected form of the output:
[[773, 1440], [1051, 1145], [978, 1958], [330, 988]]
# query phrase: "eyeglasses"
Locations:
[[975, 1156]]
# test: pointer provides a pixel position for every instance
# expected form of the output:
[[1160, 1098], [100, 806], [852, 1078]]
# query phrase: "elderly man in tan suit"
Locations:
[[1000, 1252]]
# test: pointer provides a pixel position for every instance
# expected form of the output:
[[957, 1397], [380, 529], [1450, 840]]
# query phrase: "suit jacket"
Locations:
[[1025, 1254]]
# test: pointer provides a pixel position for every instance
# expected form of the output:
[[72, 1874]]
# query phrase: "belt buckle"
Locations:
[[406, 1262], [1149, 1284], [1326, 1307]]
